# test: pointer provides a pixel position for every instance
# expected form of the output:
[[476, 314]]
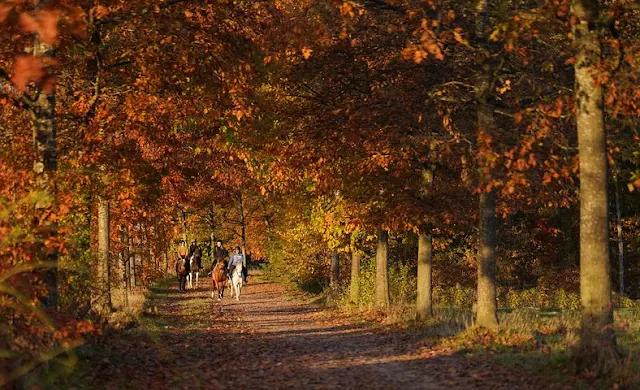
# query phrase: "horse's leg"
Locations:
[[197, 276], [236, 288]]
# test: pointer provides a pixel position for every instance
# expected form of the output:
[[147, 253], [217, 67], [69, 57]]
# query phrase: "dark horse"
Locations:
[[181, 272], [219, 279]]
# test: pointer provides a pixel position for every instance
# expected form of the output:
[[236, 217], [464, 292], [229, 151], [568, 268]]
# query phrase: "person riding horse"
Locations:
[[235, 259], [219, 253], [182, 266], [196, 253], [218, 273]]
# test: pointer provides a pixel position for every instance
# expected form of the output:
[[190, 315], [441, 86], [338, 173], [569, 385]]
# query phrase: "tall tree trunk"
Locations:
[[425, 257], [335, 269], [127, 264], [103, 303], [354, 290], [212, 248], [45, 166], [597, 340], [166, 262], [183, 217], [132, 263], [382, 263], [243, 232], [487, 307], [620, 241]]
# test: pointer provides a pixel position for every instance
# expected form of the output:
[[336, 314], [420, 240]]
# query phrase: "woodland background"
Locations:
[[329, 139]]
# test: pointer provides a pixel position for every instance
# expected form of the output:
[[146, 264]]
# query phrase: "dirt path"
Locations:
[[270, 341]]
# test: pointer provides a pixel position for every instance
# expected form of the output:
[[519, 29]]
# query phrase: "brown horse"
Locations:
[[219, 279], [181, 273]]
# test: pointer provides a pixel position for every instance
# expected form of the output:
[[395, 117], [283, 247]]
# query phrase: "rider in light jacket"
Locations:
[[236, 258]]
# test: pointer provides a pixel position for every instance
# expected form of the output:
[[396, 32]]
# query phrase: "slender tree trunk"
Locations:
[[183, 216], [487, 308], [127, 263], [354, 290], [335, 269], [45, 166], [243, 232], [425, 257], [597, 341], [620, 241], [166, 261], [132, 263], [103, 303], [382, 263]]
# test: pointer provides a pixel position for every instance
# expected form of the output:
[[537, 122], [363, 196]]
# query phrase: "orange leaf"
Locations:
[[25, 70], [306, 52]]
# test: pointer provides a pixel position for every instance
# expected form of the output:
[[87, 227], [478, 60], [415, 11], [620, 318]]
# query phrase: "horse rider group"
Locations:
[[183, 265], [220, 254]]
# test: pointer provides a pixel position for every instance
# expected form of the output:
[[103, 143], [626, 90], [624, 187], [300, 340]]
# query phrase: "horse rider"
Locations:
[[219, 253], [196, 252], [235, 259], [182, 255]]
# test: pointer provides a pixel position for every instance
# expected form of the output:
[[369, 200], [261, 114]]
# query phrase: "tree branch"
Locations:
[[118, 18]]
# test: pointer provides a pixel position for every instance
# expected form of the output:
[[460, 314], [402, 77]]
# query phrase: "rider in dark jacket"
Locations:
[[196, 252], [219, 253]]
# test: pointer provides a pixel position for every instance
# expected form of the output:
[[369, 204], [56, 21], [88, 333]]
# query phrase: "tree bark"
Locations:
[[103, 303], [354, 290], [335, 269], [487, 308], [597, 339], [382, 262], [132, 263], [425, 256], [620, 241], [45, 166], [243, 232], [127, 264]]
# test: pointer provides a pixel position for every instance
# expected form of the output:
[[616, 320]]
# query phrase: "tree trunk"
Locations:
[[183, 216], [620, 241], [335, 269], [354, 290], [166, 262], [425, 256], [103, 303], [243, 232], [382, 261], [487, 308], [45, 166], [597, 340], [127, 264], [132, 263]]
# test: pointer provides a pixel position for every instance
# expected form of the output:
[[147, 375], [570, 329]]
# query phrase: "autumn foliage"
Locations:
[[296, 129]]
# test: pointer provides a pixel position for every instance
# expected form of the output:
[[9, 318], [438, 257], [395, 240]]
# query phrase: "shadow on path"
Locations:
[[265, 341]]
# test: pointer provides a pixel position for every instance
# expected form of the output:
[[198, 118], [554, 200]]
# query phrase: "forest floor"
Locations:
[[274, 340]]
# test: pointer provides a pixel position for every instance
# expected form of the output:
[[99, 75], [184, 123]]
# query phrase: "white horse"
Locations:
[[236, 281], [194, 274]]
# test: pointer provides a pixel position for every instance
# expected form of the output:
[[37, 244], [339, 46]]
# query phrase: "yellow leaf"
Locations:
[[306, 52]]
